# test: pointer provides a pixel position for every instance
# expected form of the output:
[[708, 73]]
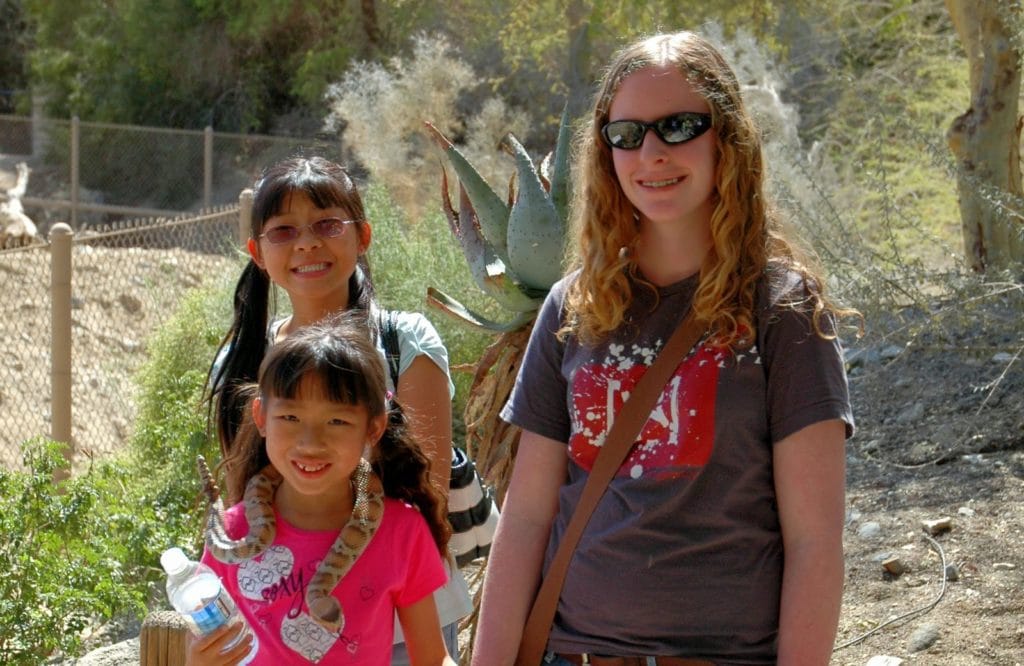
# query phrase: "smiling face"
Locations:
[[667, 184], [315, 443], [313, 270]]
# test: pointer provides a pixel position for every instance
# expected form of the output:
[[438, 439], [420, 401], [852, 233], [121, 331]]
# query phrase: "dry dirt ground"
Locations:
[[119, 296], [940, 435]]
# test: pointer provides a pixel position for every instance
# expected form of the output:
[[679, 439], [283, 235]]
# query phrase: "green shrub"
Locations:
[[87, 551], [70, 554], [406, 258], [171, 428]]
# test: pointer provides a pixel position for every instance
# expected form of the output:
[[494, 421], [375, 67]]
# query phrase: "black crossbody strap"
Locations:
[[388, 327]]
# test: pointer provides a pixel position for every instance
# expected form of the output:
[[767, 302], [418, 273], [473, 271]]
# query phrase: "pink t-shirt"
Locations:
[[399, 567]]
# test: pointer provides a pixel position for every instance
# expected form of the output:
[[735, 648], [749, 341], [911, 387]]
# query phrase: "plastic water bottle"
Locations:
[[195, 591]]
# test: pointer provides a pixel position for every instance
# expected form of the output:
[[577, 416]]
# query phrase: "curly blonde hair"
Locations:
[[745, 231]]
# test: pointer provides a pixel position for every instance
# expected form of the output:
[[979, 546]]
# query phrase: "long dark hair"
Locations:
[[339, 354], [328, 186]]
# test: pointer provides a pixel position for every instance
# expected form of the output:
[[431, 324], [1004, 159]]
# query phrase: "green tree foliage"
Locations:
[[174, 64], [240, 65], [14, 43], [879, 105], [875, 83], [188, 63]]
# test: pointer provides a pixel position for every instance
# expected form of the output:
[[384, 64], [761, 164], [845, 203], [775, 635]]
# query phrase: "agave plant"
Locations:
[[515, 249]]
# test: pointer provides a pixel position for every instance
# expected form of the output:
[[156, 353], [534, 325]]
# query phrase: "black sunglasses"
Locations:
[[674, 129], [328, 227]]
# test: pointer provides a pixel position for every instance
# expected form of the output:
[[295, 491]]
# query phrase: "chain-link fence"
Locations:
[[90, 173], [126, 279], [128, 273]]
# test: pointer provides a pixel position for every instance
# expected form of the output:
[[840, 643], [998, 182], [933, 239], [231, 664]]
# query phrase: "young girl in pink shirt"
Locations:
[[338, 527]]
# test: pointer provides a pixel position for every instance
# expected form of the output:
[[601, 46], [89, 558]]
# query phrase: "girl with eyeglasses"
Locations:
[[309, 236], [719, 540]]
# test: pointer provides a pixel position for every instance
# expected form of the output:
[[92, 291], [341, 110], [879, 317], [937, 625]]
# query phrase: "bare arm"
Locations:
[[810, 483], [423, 393], [422, 629], [517, 553]]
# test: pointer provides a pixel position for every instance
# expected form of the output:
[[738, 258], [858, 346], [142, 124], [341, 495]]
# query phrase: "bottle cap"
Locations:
[[174, 561]]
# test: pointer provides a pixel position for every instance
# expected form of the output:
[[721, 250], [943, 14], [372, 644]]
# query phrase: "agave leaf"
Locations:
[[491, 210], [465, 226], [561, 184], [470, 319], [488, 270], [536, 233]]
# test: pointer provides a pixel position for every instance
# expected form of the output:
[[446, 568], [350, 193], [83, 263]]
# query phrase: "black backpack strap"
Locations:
[[387, 324]]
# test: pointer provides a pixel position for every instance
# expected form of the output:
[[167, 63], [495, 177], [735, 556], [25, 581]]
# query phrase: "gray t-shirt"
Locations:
[[683, 555]]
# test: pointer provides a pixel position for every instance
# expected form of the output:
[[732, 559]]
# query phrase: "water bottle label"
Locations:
[[213, 614]]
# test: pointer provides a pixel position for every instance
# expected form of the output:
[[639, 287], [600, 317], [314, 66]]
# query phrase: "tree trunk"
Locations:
[[577, 73], [371, 26], [986, 139]]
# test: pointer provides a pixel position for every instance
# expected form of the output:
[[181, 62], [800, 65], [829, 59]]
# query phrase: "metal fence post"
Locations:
[[74, 171], [207, 166], [60, 343], [244, 216]]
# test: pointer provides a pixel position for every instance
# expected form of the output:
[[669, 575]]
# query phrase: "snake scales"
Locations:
[[258, 501]]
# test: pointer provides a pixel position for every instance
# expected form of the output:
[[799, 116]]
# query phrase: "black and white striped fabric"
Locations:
[[472, 512]]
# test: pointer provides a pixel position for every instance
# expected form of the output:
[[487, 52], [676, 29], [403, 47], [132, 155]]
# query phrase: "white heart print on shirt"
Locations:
[[264, 571], [302, 634], [307, 637]]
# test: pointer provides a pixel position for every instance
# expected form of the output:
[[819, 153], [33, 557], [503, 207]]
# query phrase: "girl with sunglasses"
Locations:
[[309, 236], [719, 540]]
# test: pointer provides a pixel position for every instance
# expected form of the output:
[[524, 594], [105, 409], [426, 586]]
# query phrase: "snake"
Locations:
[[258, 502]]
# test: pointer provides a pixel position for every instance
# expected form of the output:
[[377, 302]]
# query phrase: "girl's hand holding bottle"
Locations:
[[212, 649]]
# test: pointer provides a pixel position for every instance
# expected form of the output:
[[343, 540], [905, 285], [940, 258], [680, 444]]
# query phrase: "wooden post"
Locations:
[[60, 343], [163, 639], [207, 166], [244, 216]]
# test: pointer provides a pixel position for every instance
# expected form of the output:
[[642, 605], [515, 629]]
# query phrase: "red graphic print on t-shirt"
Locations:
[[679, 434]]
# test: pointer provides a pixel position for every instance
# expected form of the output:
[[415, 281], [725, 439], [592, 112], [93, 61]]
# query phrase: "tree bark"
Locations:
[[577, 73], [986, 138], [371, 26]]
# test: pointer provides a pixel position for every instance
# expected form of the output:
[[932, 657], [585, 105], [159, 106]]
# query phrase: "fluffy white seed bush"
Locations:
[[380, 110]]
